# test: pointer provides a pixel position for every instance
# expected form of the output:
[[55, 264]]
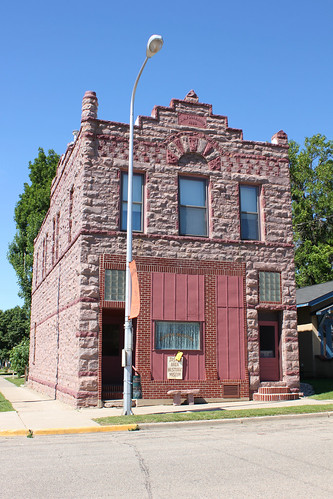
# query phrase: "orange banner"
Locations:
[[135, 301]]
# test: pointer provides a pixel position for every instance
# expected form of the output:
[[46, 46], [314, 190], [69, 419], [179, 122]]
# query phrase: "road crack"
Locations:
[[144, 469]]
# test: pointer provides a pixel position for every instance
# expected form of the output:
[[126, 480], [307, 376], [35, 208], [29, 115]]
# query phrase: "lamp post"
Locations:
[[154, 44]]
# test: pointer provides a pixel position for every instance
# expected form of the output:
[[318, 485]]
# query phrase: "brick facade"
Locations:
[[81, 237]]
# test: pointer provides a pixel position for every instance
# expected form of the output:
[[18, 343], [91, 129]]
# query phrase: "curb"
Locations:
[[213, 422], [14, 433], [68, 431], [147, 426]]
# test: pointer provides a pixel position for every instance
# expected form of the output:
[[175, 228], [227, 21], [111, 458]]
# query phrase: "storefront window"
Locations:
[[177, 335]]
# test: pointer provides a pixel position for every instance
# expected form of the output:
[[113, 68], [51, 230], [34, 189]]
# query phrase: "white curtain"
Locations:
[[177, 335]]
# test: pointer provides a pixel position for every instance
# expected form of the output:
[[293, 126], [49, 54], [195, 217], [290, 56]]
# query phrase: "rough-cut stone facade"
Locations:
[[81, 237]]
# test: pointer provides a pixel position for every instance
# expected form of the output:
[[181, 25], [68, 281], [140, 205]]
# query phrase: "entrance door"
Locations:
[[112, 345], [269, 351]]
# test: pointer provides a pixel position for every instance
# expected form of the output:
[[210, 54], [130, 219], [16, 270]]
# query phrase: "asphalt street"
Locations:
[[275, 458]]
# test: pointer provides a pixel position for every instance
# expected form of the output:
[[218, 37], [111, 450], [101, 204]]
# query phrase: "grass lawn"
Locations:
[[210, 415], [5, 406], [15, 380], [323, 388]]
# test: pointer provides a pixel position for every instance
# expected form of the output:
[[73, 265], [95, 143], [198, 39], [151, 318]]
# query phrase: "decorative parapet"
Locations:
[[198, 143], [89, 106], [280, 138]]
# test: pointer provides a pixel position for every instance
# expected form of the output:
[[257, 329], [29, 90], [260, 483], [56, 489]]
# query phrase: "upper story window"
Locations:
[[70, 213], [56, 229], [249, 211], [270, 286], [137, 206], [192, 206]]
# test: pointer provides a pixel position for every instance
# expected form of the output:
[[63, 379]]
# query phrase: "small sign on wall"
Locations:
[[174, 368]]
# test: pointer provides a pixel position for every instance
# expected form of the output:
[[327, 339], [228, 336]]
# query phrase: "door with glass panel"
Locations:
[[269, 351]]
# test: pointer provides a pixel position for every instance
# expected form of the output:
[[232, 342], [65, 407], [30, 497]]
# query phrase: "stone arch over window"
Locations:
[[196, 144], [192, 160]]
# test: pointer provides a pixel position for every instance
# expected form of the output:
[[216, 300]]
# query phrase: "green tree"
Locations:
[[311, 174], [30, 211], [19, 357], [14, 327]]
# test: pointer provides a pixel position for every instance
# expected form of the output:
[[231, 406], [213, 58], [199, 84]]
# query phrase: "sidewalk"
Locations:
[[35, 411], [43, 415]]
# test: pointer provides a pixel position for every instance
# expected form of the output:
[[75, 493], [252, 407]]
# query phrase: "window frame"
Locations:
[[119, 298], [204, 180], [257, 213], [277, 273], [176, 349], [137, 203]]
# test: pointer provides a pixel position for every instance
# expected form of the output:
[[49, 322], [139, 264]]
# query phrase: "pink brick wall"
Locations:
[[83, 221]]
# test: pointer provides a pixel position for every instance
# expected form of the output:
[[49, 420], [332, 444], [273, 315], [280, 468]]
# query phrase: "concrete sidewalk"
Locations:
[[36, 411], [43, 415]]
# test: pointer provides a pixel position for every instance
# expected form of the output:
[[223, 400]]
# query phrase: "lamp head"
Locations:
[[154, 44]]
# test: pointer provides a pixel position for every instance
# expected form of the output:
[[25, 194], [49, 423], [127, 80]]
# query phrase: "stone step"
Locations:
[[274, 389], [270, 391], [116, 403], [272, 383], [272, 397]]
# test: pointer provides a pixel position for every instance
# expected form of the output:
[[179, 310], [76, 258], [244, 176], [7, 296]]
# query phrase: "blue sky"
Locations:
[[266, 65]]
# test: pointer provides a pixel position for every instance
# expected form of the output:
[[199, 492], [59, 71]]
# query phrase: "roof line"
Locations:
[[316, 300]]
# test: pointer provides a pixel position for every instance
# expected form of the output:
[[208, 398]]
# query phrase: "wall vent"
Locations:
[[230, 391]]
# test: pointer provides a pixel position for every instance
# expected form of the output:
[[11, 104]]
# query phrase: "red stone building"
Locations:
[[214, 252]]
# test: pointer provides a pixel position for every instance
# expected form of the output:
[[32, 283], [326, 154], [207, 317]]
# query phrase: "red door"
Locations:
[[269, 351], [230, 328]]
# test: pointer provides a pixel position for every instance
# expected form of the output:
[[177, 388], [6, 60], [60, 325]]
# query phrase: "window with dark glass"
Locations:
[[267, 341], [270, 286], [249, 208], [114, 286], [137, 206], [192, 206], [110, 340], [171, 335]]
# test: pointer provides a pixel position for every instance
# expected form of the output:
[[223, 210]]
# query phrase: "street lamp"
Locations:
[[154, 44]]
